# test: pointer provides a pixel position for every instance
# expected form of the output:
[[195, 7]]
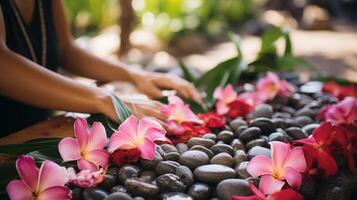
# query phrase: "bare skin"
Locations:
[[27, 82]]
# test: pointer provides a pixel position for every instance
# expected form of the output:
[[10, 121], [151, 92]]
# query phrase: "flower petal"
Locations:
[[268, 184], [218, 93], [221, 108], [81, 132], [260, 165], [147, 150], [17, 190], [253, 197], [51, 175], [293, 177], [279, 152], [86, 165], [296, 159], [121, 140], [256, 191], [287, 194], [55, 193], [69, 149], [327, 163], [28, 171], [98, 157], [322, 133], [157, 136], [229, 94], [147, 126], [97, 137]]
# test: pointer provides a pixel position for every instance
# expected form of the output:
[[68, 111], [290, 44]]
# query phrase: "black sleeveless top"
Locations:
[[14, 115]]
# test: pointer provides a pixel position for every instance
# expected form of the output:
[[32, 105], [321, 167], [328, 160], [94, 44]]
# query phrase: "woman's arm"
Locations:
[[82, 63], [27, 82]]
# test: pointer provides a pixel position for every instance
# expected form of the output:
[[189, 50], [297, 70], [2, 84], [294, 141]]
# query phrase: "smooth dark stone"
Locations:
[[288, 109], [239, 157], [160, 150], [151, 164], [296, 133], [94, 194], [262, 110], [170, 183], [200, 191], [303, 120], [241, 170], [166, 167], [222, 148], [278, 136], [147, 176], [193, 158], [305, 112], [237, 144], [250, 134], [240, 131], [255, 181], [109, 182], [230, 187], [265, 125], [223, 159], [200, 141], [181, 147], [77, 194], [118, 188], [279, 123], [119, 196], [209, 153], [281, 115], [258, 151], [213, 173], [176, 196], [310, 128], [210, 136], [141, 188], [168, 148], [290, 123], [172, 156], [138, 198], [128, 171], [236, 123], [256, 142], [185, 175], [225, 136]]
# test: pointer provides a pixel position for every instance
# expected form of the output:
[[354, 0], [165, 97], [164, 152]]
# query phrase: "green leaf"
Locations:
[[237, 42], [290, 63], [34, 145], [288, 46], [187, 74], [108, 124], [268, 39], [226, 72], [121, 109]]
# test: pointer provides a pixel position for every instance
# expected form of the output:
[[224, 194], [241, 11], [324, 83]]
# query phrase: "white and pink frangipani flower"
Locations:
[[85, 178], [224, 96], [285, 164], [86, 148], [178, 111], [46, 183], [344, 112], [141, 136], [270, 86]]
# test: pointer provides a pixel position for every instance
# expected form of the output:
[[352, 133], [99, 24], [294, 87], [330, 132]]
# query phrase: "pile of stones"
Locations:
[[215, 165]]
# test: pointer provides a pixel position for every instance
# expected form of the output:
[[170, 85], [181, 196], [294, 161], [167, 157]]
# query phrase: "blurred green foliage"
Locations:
[[166, 18]]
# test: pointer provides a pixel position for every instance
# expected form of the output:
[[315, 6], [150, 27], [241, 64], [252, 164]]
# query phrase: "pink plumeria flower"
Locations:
[[252, 98], [141, 136], [87, 147], [46, 183], [178, 111], [270, 86], [224, 96], [86, 178], [286, 164], [344, 112]]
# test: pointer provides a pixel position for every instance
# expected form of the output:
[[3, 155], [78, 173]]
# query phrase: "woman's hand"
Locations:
[[151, 84], [141, 107]]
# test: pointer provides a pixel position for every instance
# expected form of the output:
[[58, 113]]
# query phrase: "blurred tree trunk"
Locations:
[[126, 21]]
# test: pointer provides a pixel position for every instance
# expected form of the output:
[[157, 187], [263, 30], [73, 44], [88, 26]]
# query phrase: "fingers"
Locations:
[[152, 91]]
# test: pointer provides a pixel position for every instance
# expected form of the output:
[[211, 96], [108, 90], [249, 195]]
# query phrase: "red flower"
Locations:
[[122, 157], [285, 194], [339, 91], [239, 108], [319, 148], [189, 130], [212, 120], [347, 136]]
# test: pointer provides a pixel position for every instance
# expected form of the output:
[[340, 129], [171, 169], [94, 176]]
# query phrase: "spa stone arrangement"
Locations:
[[270, 139]]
